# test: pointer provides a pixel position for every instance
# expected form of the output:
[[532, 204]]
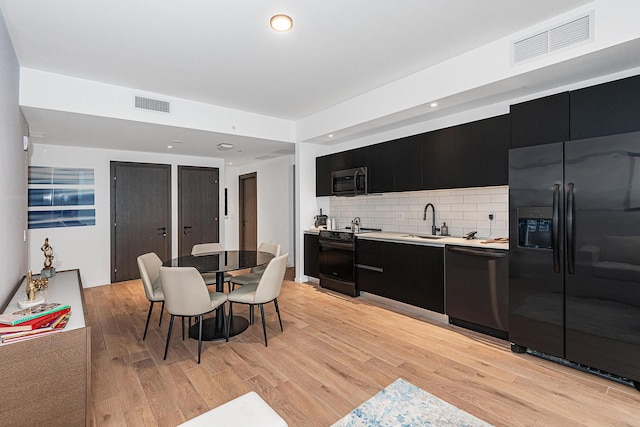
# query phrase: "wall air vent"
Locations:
[[152, 104], [573, 32]]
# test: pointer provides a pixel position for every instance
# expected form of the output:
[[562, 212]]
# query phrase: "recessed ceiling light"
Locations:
[[224, 146], [433, 105], [169, 146], [281, 23], [330, 135]]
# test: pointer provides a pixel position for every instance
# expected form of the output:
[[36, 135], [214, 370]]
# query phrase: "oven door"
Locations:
[[336, 260]]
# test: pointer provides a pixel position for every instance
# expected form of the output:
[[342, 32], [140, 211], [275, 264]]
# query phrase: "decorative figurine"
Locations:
[[48, 270], [31, 287]]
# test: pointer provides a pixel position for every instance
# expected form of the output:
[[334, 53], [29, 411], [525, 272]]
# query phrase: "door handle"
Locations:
[[187, 229], [555, 225], [164, 231], [571, 266]]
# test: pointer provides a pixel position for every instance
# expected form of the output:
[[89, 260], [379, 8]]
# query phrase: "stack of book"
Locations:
[[34, 321]]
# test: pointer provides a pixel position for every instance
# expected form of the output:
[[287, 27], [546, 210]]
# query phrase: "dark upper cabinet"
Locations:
[[323, 175], [438, 159], [380, 167], [540, 121], [482, 153], [407, 163], [606, 109]]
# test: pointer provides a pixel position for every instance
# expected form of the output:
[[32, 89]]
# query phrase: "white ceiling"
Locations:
[[224, 53]]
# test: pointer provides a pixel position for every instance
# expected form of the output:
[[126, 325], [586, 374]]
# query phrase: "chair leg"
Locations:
[[275, 302], [264, 326], [199, 337], [183, 326], [166, 348], [161, 311], [229, 317], [224, 322], [148, 317]]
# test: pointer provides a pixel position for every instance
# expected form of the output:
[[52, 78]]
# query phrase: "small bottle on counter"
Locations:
[[444, 230]]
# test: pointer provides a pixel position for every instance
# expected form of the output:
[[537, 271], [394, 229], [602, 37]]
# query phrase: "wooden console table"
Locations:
[[47, 380]]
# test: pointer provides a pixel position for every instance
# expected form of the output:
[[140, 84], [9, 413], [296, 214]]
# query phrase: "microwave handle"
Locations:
[[355, 182]]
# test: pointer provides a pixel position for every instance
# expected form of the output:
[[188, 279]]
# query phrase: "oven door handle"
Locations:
[[336, 245]]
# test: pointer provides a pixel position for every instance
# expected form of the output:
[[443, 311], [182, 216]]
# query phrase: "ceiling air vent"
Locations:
[[568, 34], [152, 104]]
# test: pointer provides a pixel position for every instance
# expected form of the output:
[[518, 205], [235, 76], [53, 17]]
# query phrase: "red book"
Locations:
[[38, 322]]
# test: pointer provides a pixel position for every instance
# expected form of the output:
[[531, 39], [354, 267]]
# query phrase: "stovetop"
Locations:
[[344, 234]]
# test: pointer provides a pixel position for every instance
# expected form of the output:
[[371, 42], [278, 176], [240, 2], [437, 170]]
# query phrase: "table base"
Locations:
[[212, 332]]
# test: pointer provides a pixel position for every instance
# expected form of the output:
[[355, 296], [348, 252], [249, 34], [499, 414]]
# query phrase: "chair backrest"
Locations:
[[206, 248], [149, 265], [185, 292], [272, 248], [271, 281]]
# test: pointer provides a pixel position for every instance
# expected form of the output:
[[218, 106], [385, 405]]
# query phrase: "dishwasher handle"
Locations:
[[476, 252]]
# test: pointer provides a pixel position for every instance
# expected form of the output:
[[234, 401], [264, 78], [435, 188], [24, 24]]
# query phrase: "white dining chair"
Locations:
[[255, 273], [149, 265], [265, 291], [200, 249], [186, 295]]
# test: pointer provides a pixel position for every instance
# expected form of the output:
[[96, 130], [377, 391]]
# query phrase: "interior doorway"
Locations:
[[140, 215], [198, 207], [248, 211]]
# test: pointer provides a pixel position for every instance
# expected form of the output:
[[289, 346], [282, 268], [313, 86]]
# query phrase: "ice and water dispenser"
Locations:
[[535, 227]]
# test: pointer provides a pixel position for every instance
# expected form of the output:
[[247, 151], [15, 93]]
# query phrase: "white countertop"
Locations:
[[438, 241], [398, 237]]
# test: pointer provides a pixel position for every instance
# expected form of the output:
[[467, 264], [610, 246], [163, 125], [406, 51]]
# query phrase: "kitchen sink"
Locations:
[[423, 236]]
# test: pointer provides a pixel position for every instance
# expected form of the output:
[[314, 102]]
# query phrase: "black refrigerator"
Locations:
[[574, 252]]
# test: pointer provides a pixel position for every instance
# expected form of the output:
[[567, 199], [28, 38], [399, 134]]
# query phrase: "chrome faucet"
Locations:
[[433, 218]]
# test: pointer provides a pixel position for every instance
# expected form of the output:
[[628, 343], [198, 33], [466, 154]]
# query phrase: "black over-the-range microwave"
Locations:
[[349, 182]]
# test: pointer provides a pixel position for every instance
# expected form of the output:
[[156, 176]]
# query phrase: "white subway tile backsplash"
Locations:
[[463, 210]]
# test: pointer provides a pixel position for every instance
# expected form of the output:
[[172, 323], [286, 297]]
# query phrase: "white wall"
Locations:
[[275, 201], [13, 171], [88, 248]]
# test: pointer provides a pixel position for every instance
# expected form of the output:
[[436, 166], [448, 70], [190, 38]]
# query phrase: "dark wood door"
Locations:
[[198, 207], [248, 195], [140, 215]]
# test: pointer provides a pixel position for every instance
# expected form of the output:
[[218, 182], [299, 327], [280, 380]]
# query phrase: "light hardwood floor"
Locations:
[[335, 353]]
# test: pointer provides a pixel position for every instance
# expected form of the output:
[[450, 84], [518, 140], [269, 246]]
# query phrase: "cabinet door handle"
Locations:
[[370, 267], [481, 253]]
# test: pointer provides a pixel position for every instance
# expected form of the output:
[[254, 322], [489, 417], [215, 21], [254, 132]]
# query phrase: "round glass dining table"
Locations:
[[220, 263]]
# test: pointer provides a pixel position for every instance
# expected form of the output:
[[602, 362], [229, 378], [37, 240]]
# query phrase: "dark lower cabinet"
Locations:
[[412, 274], [311, 255]]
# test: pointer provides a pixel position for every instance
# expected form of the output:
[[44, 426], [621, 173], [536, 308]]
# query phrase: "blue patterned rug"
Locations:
[[402, 404]]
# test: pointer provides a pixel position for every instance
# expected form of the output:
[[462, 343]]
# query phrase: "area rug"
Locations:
[[402, 404]]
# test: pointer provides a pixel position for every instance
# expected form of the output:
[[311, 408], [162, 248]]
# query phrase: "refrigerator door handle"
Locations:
[[555, 227], [570, 229]]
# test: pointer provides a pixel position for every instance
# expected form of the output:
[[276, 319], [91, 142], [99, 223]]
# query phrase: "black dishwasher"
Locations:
[[477, 289]]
